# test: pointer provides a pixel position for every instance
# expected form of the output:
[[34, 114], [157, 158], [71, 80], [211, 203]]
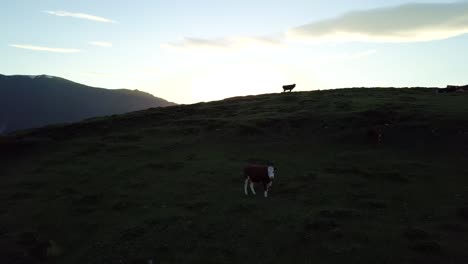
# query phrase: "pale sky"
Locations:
[[189, 51]]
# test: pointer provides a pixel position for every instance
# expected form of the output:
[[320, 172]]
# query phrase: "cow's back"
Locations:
[[257, 173]]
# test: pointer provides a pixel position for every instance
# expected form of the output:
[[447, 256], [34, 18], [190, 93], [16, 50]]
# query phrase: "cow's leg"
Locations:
[[246, 183], [265, 188], [252, 188]]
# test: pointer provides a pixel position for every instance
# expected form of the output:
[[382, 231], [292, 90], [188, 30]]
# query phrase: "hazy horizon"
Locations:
[[187, 52]]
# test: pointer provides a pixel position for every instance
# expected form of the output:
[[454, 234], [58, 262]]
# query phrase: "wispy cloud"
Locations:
[[101, 44], [363, 54], [199, 43], [48, 49], [224, 43], [80, 15], [404, 23]]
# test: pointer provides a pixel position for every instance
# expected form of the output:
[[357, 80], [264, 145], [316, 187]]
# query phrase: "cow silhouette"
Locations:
[[453, 89], [288, 87]]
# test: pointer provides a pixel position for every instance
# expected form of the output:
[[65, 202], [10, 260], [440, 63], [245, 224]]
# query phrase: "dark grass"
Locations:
[[166, 184]]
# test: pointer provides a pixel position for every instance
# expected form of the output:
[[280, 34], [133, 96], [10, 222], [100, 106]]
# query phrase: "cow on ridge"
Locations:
[[288, 87]]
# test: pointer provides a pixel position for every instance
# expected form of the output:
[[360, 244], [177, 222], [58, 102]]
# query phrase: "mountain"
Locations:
[[167, 184], [34, 101]]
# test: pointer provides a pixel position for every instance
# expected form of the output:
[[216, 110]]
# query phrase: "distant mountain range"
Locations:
[[34, 101]]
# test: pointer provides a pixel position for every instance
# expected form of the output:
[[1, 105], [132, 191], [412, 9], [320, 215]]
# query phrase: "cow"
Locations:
[[375, 134], [288, 87], [258, 174], [453, 88]]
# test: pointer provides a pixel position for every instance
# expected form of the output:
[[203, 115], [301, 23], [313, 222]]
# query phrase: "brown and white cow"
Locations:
[[258, 174]]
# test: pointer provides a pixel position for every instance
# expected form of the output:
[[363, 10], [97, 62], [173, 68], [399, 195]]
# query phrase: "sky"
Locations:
[[189, 51]]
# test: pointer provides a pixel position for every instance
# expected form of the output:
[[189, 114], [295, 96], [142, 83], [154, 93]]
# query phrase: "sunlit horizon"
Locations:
[[189, 52]]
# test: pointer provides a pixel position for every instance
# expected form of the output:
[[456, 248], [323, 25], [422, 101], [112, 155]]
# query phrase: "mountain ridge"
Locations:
[[38, 100]]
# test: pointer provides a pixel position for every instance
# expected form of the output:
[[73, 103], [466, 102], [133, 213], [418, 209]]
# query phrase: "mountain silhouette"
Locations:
[[34, 101]]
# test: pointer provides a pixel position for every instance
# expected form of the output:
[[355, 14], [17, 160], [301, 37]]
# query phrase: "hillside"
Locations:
[[34, 101], [166, 184]]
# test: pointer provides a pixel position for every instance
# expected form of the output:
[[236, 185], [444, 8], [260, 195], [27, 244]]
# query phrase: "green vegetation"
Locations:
[[166, 183]]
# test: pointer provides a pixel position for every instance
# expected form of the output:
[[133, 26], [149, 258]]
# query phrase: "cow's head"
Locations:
[[271, 172]]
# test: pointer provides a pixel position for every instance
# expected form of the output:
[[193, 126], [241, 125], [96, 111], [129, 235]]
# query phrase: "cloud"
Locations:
[[101, 44], [199, 43], [224, 43], [265, 41], [49, 49], [398, 24], [363, 54], [80, 15], [404, 23]]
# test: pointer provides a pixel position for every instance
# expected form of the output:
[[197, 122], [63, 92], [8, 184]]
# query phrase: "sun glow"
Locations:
[[237, 79], [211, 72]]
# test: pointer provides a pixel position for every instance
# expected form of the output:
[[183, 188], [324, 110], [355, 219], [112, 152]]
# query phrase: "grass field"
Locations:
[[166, 184]]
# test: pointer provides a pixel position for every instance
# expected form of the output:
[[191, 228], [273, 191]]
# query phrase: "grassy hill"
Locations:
[[166, 184]]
